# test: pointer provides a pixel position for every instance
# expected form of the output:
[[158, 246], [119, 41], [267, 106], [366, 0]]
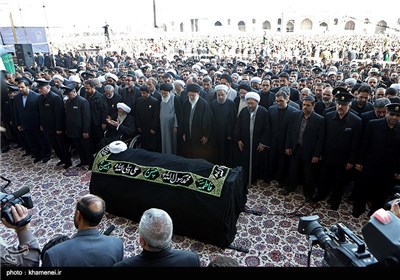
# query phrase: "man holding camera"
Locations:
[[27, 253]]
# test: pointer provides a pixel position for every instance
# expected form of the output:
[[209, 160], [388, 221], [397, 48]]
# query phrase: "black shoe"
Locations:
[[67, 165], [357, 212], [26, 154], [36, 160], [80, 164], [318, 197], [59, 163], [46, 159], [286, 192], [90, 166], [5, 149], [334, 206]]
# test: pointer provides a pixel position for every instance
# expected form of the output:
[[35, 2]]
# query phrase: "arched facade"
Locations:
[[266, 25], [242, 26], [284, 23], [350, 25], [381, 27], [306, 24]]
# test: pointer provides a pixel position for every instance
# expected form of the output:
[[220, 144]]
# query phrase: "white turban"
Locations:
[[124, 107], [117, 147], [221, 87], [395, 86], [112, 76], [255, 80], [56, 76], [182, 83], [252, 95], [74, 78]]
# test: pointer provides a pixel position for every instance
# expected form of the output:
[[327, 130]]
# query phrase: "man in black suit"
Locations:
[[379, 160], [27, 120], [304, 142], [155, 234], [341, 147], [147, 117], [52, 122], [77, 111], [278, 117]]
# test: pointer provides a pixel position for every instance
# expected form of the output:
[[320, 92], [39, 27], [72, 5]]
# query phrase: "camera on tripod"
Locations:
[[19, 197], [341, 246]]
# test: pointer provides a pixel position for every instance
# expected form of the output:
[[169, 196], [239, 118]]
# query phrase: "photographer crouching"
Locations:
[[27, 253]]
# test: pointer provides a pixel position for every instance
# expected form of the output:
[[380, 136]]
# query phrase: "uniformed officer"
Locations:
[[343, 135]]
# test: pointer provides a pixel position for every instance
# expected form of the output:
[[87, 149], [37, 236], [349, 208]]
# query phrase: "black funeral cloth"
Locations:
[[203, 200]]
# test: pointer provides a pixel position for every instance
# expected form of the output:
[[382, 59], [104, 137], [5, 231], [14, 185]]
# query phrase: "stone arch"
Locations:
[[289, 26], [350, 25], [242, 26], [381, 27], [266, 25], [217, 23], [306, 24]]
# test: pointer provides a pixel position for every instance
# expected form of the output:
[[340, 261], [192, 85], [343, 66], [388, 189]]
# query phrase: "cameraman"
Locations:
[[27, 253]]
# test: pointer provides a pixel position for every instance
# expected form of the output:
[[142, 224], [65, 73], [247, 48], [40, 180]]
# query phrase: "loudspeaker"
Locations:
[[24, 54]]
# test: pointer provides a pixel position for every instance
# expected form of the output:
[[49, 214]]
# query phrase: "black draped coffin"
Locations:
[[203, 200]]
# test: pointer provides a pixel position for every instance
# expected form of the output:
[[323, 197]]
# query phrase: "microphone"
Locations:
[[109, 230], [21, 192], [17, 194]]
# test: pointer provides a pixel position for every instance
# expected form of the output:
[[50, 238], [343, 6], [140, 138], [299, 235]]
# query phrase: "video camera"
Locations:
[[342, 248], [19, 197]]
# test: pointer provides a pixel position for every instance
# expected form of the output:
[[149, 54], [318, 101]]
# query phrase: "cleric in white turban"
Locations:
[[252, 95], [124, 107]]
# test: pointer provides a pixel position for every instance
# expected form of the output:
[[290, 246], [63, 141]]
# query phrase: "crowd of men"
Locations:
[[296, 121]]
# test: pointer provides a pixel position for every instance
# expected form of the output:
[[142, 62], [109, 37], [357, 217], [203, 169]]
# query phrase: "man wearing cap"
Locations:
[[170, 119], [77, 110], [197, 125], [224, 112], [52, 122], [379, 160], [341, 147], [252, 139], [27, 120], [122, 127]]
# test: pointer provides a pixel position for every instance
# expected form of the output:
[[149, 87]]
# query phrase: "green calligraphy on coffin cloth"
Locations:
[[211, 185], [205, 185], [151, 173], [104, 165]]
